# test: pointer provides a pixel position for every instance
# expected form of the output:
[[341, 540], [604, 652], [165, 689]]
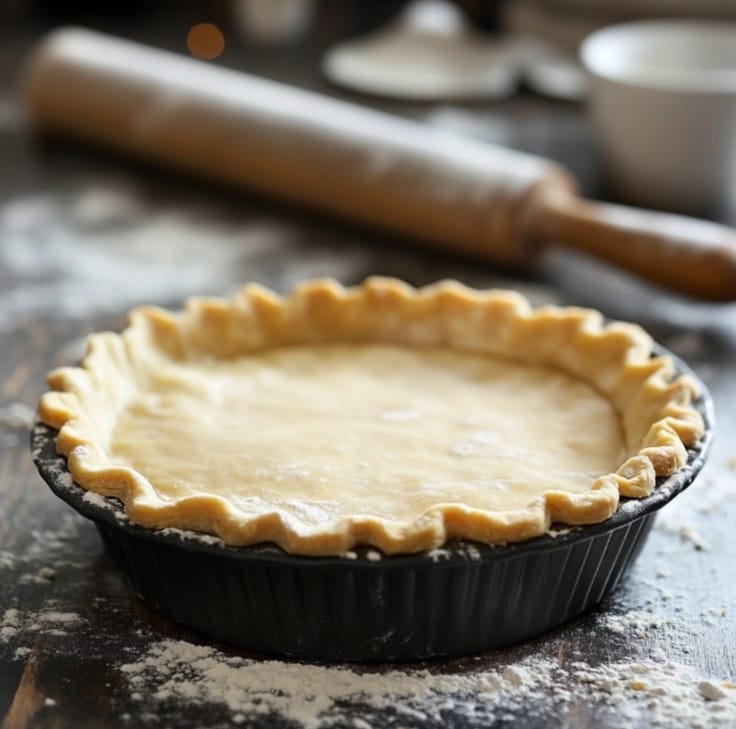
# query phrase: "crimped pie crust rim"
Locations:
[[656, 409]]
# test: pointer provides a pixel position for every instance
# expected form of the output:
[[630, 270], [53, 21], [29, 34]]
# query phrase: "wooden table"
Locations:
[[84, 237]]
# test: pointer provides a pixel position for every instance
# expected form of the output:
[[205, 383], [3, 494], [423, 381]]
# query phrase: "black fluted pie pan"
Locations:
[[463, 598]]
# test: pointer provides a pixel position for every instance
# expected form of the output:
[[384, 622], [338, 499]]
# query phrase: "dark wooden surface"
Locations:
[[83, 237]]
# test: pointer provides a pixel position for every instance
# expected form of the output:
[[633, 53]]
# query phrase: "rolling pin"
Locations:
[[360, 164]]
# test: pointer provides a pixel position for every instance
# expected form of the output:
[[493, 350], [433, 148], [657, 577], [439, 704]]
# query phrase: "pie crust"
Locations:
[[380, 415]]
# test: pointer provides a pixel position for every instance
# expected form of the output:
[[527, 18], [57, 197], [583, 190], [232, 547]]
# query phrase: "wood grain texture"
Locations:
[[75, 228]]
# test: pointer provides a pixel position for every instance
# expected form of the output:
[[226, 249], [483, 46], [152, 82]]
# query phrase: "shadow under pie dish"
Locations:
[[380, 466]]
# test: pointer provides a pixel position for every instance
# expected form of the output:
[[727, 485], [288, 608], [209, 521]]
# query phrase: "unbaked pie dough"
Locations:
[[377, 415]]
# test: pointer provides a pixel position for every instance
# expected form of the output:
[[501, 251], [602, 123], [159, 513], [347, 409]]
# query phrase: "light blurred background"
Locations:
[[534, 100], [532, 45]]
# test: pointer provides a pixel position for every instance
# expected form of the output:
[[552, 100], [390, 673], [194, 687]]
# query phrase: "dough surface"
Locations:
[[330, 431]]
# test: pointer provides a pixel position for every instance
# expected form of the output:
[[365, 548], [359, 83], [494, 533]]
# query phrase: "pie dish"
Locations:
[[378, 415], [485, 577]]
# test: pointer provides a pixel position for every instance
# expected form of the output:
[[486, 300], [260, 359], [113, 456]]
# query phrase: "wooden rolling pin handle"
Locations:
[[693, 257]]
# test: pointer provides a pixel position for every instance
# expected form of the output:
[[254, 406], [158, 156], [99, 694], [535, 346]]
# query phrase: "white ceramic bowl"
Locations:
[[663, 95]]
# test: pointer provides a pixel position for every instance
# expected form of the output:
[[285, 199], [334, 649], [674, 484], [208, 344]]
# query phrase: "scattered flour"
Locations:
[[58, 617], [311, 695], [714, 691], [633, 622], [439, 554], [686, 532], [103, 502], [689, 534], [72, 249], [672, 691], [92, 497], [16, 415], [186, 534], [68, 258], [42, 576], [40, 561], [15, 624], [10, 625], [688, 516], [464, 550], [314, 696]]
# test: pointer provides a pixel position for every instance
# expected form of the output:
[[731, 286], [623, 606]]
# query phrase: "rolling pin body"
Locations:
[[282, 141], [347, 160]]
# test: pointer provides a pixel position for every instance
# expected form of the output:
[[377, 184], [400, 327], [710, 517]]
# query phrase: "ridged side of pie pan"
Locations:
[[462, 599]]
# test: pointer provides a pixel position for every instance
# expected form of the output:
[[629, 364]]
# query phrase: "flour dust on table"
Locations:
[[315, 696]]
